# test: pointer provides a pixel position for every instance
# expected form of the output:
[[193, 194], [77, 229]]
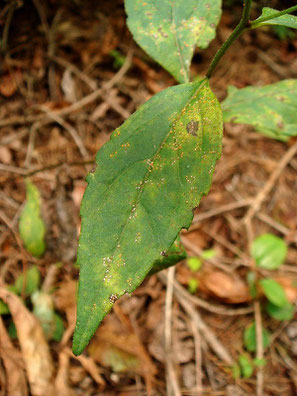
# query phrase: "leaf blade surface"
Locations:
[[271, 109], [149, 177], [287, 20], [169, 30]]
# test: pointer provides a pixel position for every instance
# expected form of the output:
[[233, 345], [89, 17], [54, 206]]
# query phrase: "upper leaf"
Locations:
[[287, 20], [169, 30], [31, 225], [269, 251], [271, 109], [150, 175]]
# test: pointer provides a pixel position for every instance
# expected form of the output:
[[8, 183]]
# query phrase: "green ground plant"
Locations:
[[159, 163]]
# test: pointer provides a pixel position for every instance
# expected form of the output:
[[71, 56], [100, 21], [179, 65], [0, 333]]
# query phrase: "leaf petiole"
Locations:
[[240, 28]]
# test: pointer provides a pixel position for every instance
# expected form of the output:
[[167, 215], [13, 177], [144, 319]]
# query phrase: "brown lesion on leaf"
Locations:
[[192, 127]]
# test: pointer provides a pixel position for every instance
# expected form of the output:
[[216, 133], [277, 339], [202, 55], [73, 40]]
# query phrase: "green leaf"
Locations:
[[271, 109], [58, 328], [4, 310], [31, 225], [287, 20], [193, 285], [235, 371], [274, 292], [150, 175], [208, 254], [43, 309], [175, 254], [251, 279], [269, 251], [246, 366], [259, 362], [250, 340], [286, 312], [194, 263], [12, 330], [32, 281], [169, 30]]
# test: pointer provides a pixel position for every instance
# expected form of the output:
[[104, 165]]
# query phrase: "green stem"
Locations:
[[276, 15], [240, 28]]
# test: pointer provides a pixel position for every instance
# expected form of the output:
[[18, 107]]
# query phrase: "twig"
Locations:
[[81, 75], [217, 309], [11, 9], [257, 202], [32, 172], [259, 343], [278, 70], [31, 143], [198, 359], [69, 128], [172, 384], [197, 251], [79, 104], [222, 209], [208, 335], [13, 136]]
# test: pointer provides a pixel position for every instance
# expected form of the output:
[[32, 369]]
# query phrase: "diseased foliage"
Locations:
[[149, 177], [159, 163], [271, 109], [169, 30]]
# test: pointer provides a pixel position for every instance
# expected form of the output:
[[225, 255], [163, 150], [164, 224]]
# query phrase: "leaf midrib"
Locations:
[[161, 146]]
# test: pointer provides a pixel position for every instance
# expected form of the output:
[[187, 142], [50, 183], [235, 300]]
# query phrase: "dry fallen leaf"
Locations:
[[65, 301], [5, 155], [9, 83], [229, 288], [16, 384], [90, 367], [62, 378], [116, 346], [35, 350]]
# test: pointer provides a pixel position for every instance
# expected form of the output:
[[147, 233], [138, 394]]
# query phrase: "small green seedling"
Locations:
[[268, 252], [31, 225], [27, 286]]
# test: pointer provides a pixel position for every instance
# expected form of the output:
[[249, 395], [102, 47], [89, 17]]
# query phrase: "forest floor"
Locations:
[[70, 74]]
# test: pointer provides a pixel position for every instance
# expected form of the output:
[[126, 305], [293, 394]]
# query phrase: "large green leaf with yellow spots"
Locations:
[[169, 30], [271, 109], [149, 177]]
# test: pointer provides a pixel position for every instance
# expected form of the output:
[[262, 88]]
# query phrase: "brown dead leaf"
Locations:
[[90, 367], [16, 384], [35, 350], [9, 83], [229, 288], [116, 346], [62, 378], [65, 301], [5, 155], [78, 192]]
